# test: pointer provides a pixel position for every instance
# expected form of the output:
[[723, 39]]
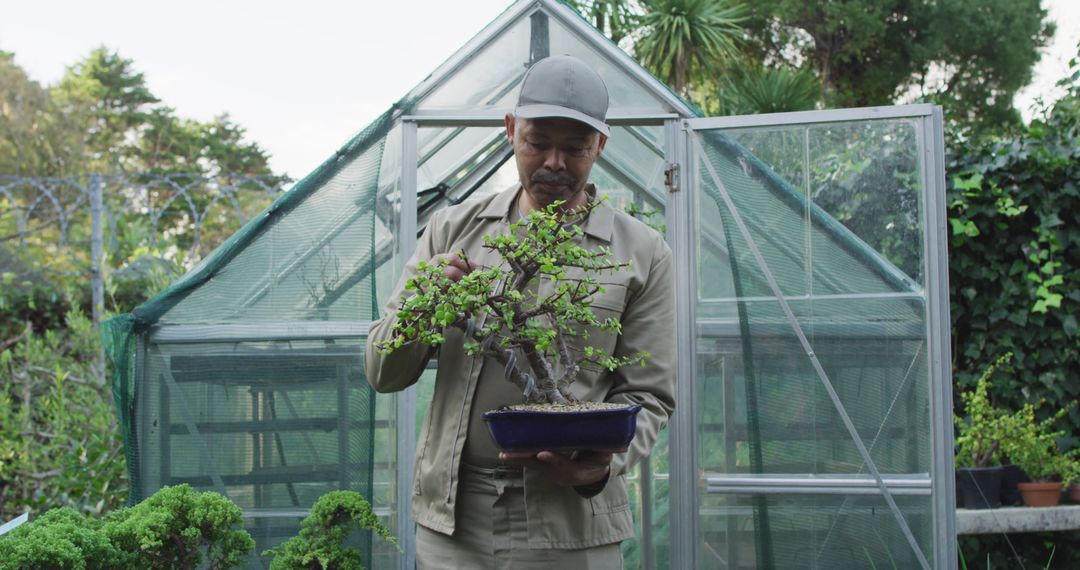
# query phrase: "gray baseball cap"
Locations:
[[563, 86]]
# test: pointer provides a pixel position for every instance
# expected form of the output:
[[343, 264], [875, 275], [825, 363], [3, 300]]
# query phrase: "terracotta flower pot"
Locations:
[[1041, 494], [1074, 493]]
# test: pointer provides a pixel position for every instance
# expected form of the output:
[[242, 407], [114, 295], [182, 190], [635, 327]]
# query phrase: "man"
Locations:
[[476, 507]]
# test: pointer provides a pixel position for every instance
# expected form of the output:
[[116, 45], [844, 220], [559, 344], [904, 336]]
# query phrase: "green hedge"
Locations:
[[1014, 262], [1014, 271]]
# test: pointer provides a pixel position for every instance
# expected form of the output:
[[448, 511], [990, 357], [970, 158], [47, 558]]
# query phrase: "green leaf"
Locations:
[[972, 182], [961, 227]]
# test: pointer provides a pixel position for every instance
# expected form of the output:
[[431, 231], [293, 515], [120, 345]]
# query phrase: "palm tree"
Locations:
[[747, 88], [682, 39]]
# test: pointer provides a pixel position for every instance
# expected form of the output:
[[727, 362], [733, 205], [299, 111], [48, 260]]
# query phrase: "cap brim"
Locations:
[[547, 111]]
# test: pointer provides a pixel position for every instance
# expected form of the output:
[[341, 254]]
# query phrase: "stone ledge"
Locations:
[[1017, 519]]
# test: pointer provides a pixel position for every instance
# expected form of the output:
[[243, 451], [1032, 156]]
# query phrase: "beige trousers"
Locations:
[[492, 533]]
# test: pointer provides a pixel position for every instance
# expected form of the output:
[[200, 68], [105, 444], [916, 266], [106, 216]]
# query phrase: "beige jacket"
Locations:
[[642, 297]]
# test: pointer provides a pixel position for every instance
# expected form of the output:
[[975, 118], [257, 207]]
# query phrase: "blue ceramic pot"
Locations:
[[532, 430]]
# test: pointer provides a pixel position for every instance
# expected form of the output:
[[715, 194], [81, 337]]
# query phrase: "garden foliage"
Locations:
[[1014, 261], [1015, 286], [176, 528], [59, 445]]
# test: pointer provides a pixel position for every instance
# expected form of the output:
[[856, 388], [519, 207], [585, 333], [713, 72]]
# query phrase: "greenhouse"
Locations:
[[813, 427]]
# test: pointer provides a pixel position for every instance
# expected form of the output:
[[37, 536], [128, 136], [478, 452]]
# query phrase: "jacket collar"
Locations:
[[598, 225]]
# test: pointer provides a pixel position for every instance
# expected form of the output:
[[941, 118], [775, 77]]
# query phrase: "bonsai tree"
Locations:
[[61, 538], [502, 318], [320, 544], [175, 528]]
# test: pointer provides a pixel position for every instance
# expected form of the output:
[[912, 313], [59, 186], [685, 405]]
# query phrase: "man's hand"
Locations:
[[455, 268], [582, 468]]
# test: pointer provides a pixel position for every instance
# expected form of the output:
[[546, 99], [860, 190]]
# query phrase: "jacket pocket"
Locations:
[[613, 499]]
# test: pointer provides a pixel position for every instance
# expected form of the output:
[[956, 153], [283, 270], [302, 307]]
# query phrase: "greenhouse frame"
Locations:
[[813, 427]]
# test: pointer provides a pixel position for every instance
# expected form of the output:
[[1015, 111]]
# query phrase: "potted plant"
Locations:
[[539, 339], [978, 445], [1073, 489], [1033, 447]]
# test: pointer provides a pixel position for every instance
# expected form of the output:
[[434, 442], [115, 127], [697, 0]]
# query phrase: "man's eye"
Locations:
[[575, 151]]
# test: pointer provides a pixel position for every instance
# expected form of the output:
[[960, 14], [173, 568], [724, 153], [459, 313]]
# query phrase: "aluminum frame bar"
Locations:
[[405, 401], [682, 447], [497, 118], [815, 117], [939, 340]]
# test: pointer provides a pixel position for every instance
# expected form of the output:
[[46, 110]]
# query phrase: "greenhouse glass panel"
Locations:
[[812, 358], [627, 94], [491, 77]]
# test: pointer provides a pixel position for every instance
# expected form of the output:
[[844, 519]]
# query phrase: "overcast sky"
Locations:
[[301, 77]]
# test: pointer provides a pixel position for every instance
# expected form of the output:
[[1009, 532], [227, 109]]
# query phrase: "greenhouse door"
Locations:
[[815, 421]]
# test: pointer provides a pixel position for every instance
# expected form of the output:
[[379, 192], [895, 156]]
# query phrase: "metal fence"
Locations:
[[69, 227]]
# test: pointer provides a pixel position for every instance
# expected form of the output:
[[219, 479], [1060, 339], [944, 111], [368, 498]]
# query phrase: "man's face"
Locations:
[[554, 157]]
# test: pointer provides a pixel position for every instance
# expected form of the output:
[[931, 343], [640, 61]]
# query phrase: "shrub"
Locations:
[[321, 542], [980, 432], [1014, 261], [61, 539], [59, 445], [175, 528]]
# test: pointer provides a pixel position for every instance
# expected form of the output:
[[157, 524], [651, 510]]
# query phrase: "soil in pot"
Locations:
[[979, 487], [1041, 494], [587, 425]]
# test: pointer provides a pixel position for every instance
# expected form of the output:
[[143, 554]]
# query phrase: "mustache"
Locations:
[[553, 179]]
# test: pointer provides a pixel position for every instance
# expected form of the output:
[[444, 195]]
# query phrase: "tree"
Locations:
[[33, 138], [321, 544], [109, 101], [748, 87], [684, 39], [127, 129], [971, 55], [614, 18], [987, 52]]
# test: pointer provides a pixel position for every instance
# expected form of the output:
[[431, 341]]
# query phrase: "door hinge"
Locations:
[[671, 177]]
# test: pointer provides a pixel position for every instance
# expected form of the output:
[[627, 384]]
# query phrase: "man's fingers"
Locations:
[[517, 455], [552, 458], [455, 267]]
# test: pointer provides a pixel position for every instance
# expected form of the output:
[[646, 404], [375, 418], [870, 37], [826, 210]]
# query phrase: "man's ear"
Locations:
[[511, 122], [600, 146]]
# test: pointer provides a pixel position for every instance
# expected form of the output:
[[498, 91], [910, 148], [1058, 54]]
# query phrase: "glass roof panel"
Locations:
[[491, 78]]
